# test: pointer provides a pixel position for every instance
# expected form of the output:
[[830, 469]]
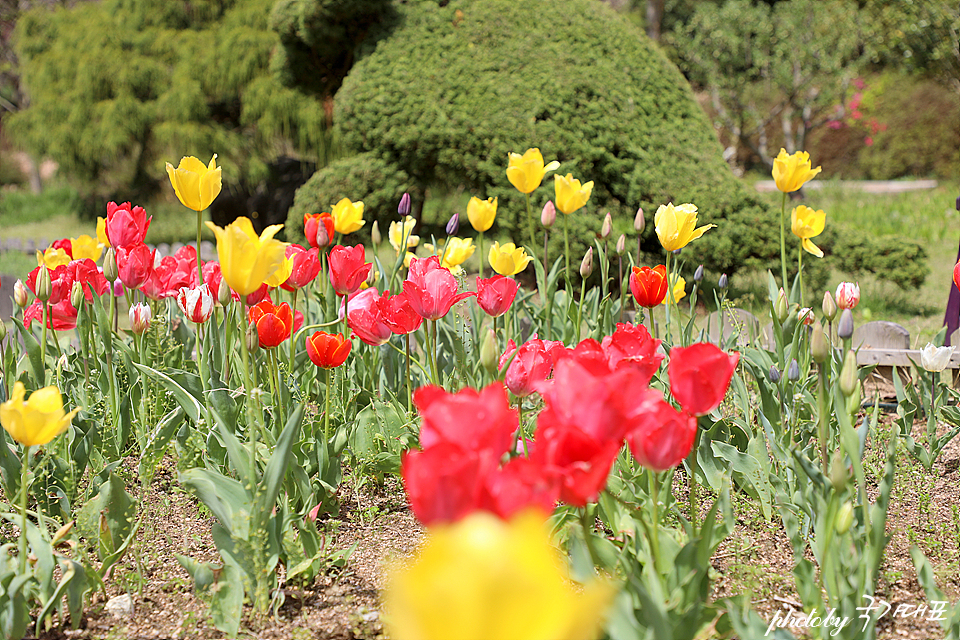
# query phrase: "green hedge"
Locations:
[[454, 88]]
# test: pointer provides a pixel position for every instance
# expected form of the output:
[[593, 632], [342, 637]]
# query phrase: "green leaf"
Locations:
[[157, 441], [276, 467], [225, 497], [752, 471], [186, 400]]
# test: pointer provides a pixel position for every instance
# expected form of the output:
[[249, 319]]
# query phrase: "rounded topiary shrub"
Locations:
[[454, 88]]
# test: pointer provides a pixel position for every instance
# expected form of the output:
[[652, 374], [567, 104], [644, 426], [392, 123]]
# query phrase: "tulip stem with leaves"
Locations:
[[783, 238], [530, 227], [24, 480]]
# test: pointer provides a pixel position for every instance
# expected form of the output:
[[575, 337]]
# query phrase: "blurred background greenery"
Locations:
[[381, 96]]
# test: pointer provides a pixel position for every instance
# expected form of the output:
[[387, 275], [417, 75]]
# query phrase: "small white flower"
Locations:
[[935, 358]]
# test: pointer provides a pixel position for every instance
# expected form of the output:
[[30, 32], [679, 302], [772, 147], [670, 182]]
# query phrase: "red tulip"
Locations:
[[431, 289], [328, 351], [258, 296], [532, 363], [168, 278], [348, 269], [86, 272], [631, 345], [274, 323], [956, 275], [126, 225], [196, 303], [576, 461], [518, 485], [62, 316], [649, 286], [365, 317], [306, 266], [396, 313], [318, 227], [699, 376], [480, 421], [64, 244], [134, 264], [662, 437], [443, 482], [496, 294]]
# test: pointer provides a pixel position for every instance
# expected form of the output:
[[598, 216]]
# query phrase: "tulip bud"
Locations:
[[793, 371], [722, 282], [62, 363], [805, 316], [140, 316], [549, 214], [848, 295], [698, 274], [20, 294], [774, 374], [488, 352], [838, 472], [853, 400], [607, 227], [76, 295], [586, 267], [453, 224], [818, 344], [372, 277], [621, 244], [780, 307], [253, 341], [43, 285], [639, 222], [829, 306], [224, 294], [323, 238], [375, 236], [844, 518], [848, 374], [404, 207], [110, 271], [3, 331], [845, 326]]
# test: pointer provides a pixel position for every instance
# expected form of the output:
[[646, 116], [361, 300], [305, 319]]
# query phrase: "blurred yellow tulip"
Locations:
[[570, 194], [486, 579], [679, 291], [807, 223], [675, 225], [246, 259], [526, 172], [481, 213], [196, 185], [53, 258], [102, 232], [86, 247], [791, 171], [347, 216], [508, 260], [35, 421], [398, 230]]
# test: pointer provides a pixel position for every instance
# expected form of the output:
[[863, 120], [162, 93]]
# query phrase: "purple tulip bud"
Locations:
[[453, 224], [404, 208], [698, 274]]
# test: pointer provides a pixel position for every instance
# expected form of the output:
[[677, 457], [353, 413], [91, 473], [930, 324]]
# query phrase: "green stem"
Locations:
[[43, 345], [293, 333], [326, 412], [587, 527], [822, 418], [622, 288], [583, 289], [409, 389], [248, 390], [783, 238], [199, 267], [670, 299], [24, 477], [566, 250], [800, 271], [436, 353], [480, 244], [523, 436], [654, 478], [530, 227], [694, 465]]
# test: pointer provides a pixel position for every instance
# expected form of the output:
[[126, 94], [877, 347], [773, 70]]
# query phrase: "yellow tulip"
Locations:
[[280, 275], [53, 258], [570, 194], [454, 252], [86, 247], [676, 225], [508, 260], [486, 579], [398, 230], [807, 223], [102, 232], [35, 421], [481, 213], [679, 291], [790, 172], [526, 172], [248, 260], [196, 185], [347, 216]]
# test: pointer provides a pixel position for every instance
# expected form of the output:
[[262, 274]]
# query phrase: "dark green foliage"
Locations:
[[118, 88], [363, 177], [894, 259], [321, 39], [456, 87]]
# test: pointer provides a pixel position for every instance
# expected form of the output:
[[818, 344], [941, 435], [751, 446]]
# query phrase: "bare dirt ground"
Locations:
[[756, 559]]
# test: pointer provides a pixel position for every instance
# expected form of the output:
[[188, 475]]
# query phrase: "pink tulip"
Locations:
[[431, 289]]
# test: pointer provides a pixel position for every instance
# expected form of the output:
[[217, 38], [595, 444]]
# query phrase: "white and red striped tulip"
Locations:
[[196, 303]]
